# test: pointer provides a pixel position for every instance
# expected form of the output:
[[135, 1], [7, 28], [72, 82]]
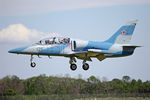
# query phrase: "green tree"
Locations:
[[126, 78], [133, 86], [9, 92], [117, 86], [93, 79], [44, 85], [11, 82]]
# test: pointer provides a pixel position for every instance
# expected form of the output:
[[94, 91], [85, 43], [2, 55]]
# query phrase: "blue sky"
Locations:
[[24, 23]]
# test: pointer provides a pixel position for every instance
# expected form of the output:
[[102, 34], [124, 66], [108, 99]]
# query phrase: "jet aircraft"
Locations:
[[116, 46]]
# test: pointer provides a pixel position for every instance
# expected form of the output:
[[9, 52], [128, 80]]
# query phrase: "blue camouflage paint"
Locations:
[[57, 49], [97, 45], [123, 53], [128, 52], [129, 31], [113, 47], [17, 50]]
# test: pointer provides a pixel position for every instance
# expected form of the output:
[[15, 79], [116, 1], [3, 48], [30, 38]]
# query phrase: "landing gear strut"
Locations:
[[72, 62], [73, 66], [33, 64], [85, 65]]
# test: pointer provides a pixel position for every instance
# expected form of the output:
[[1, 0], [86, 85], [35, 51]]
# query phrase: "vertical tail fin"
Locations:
[[124, 34]]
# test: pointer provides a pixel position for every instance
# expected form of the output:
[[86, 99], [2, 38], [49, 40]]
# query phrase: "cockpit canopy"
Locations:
[[54, 40]]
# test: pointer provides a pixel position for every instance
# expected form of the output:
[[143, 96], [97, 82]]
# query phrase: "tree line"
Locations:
[[49, 85]]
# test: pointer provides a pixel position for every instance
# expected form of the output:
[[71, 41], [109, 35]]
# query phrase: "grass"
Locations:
[[65, 97], [114, 98]]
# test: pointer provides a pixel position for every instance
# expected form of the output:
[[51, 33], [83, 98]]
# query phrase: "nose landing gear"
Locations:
[[33, 64]]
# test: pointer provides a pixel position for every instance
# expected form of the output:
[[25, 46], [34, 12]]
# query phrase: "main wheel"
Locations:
[[85, 66], [73, 67], [33, 64]]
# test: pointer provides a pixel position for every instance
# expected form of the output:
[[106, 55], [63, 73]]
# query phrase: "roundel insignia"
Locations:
[[123, 32]]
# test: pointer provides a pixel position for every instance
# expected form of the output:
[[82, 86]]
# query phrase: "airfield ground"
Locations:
[[48, 97], [113, 98]]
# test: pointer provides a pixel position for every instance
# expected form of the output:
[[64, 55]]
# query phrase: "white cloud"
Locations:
[[23, 7], [19, 33]]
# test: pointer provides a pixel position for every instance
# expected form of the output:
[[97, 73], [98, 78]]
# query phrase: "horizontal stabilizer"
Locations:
[[131, 46], [129, 49]]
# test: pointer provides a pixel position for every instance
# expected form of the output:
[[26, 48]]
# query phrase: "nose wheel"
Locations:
[[33, 64]]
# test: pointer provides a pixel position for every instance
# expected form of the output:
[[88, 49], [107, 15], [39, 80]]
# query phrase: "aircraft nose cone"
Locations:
[[13, 51], [17, 50]]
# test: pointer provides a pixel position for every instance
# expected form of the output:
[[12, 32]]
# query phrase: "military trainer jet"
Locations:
[[116, 46]]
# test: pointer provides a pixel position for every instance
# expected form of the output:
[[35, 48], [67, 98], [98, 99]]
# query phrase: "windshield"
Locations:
[[54, 40]]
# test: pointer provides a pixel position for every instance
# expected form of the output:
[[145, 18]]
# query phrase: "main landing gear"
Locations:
[[72, 62], [73, 66], [85, 65], [33, 64]]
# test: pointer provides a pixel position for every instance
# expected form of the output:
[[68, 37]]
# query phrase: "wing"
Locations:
[[95, 53]]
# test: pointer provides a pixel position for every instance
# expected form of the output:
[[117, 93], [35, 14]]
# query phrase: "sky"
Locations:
[[24, 22]]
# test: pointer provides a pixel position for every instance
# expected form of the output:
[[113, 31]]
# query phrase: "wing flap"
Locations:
[[100, 57]]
